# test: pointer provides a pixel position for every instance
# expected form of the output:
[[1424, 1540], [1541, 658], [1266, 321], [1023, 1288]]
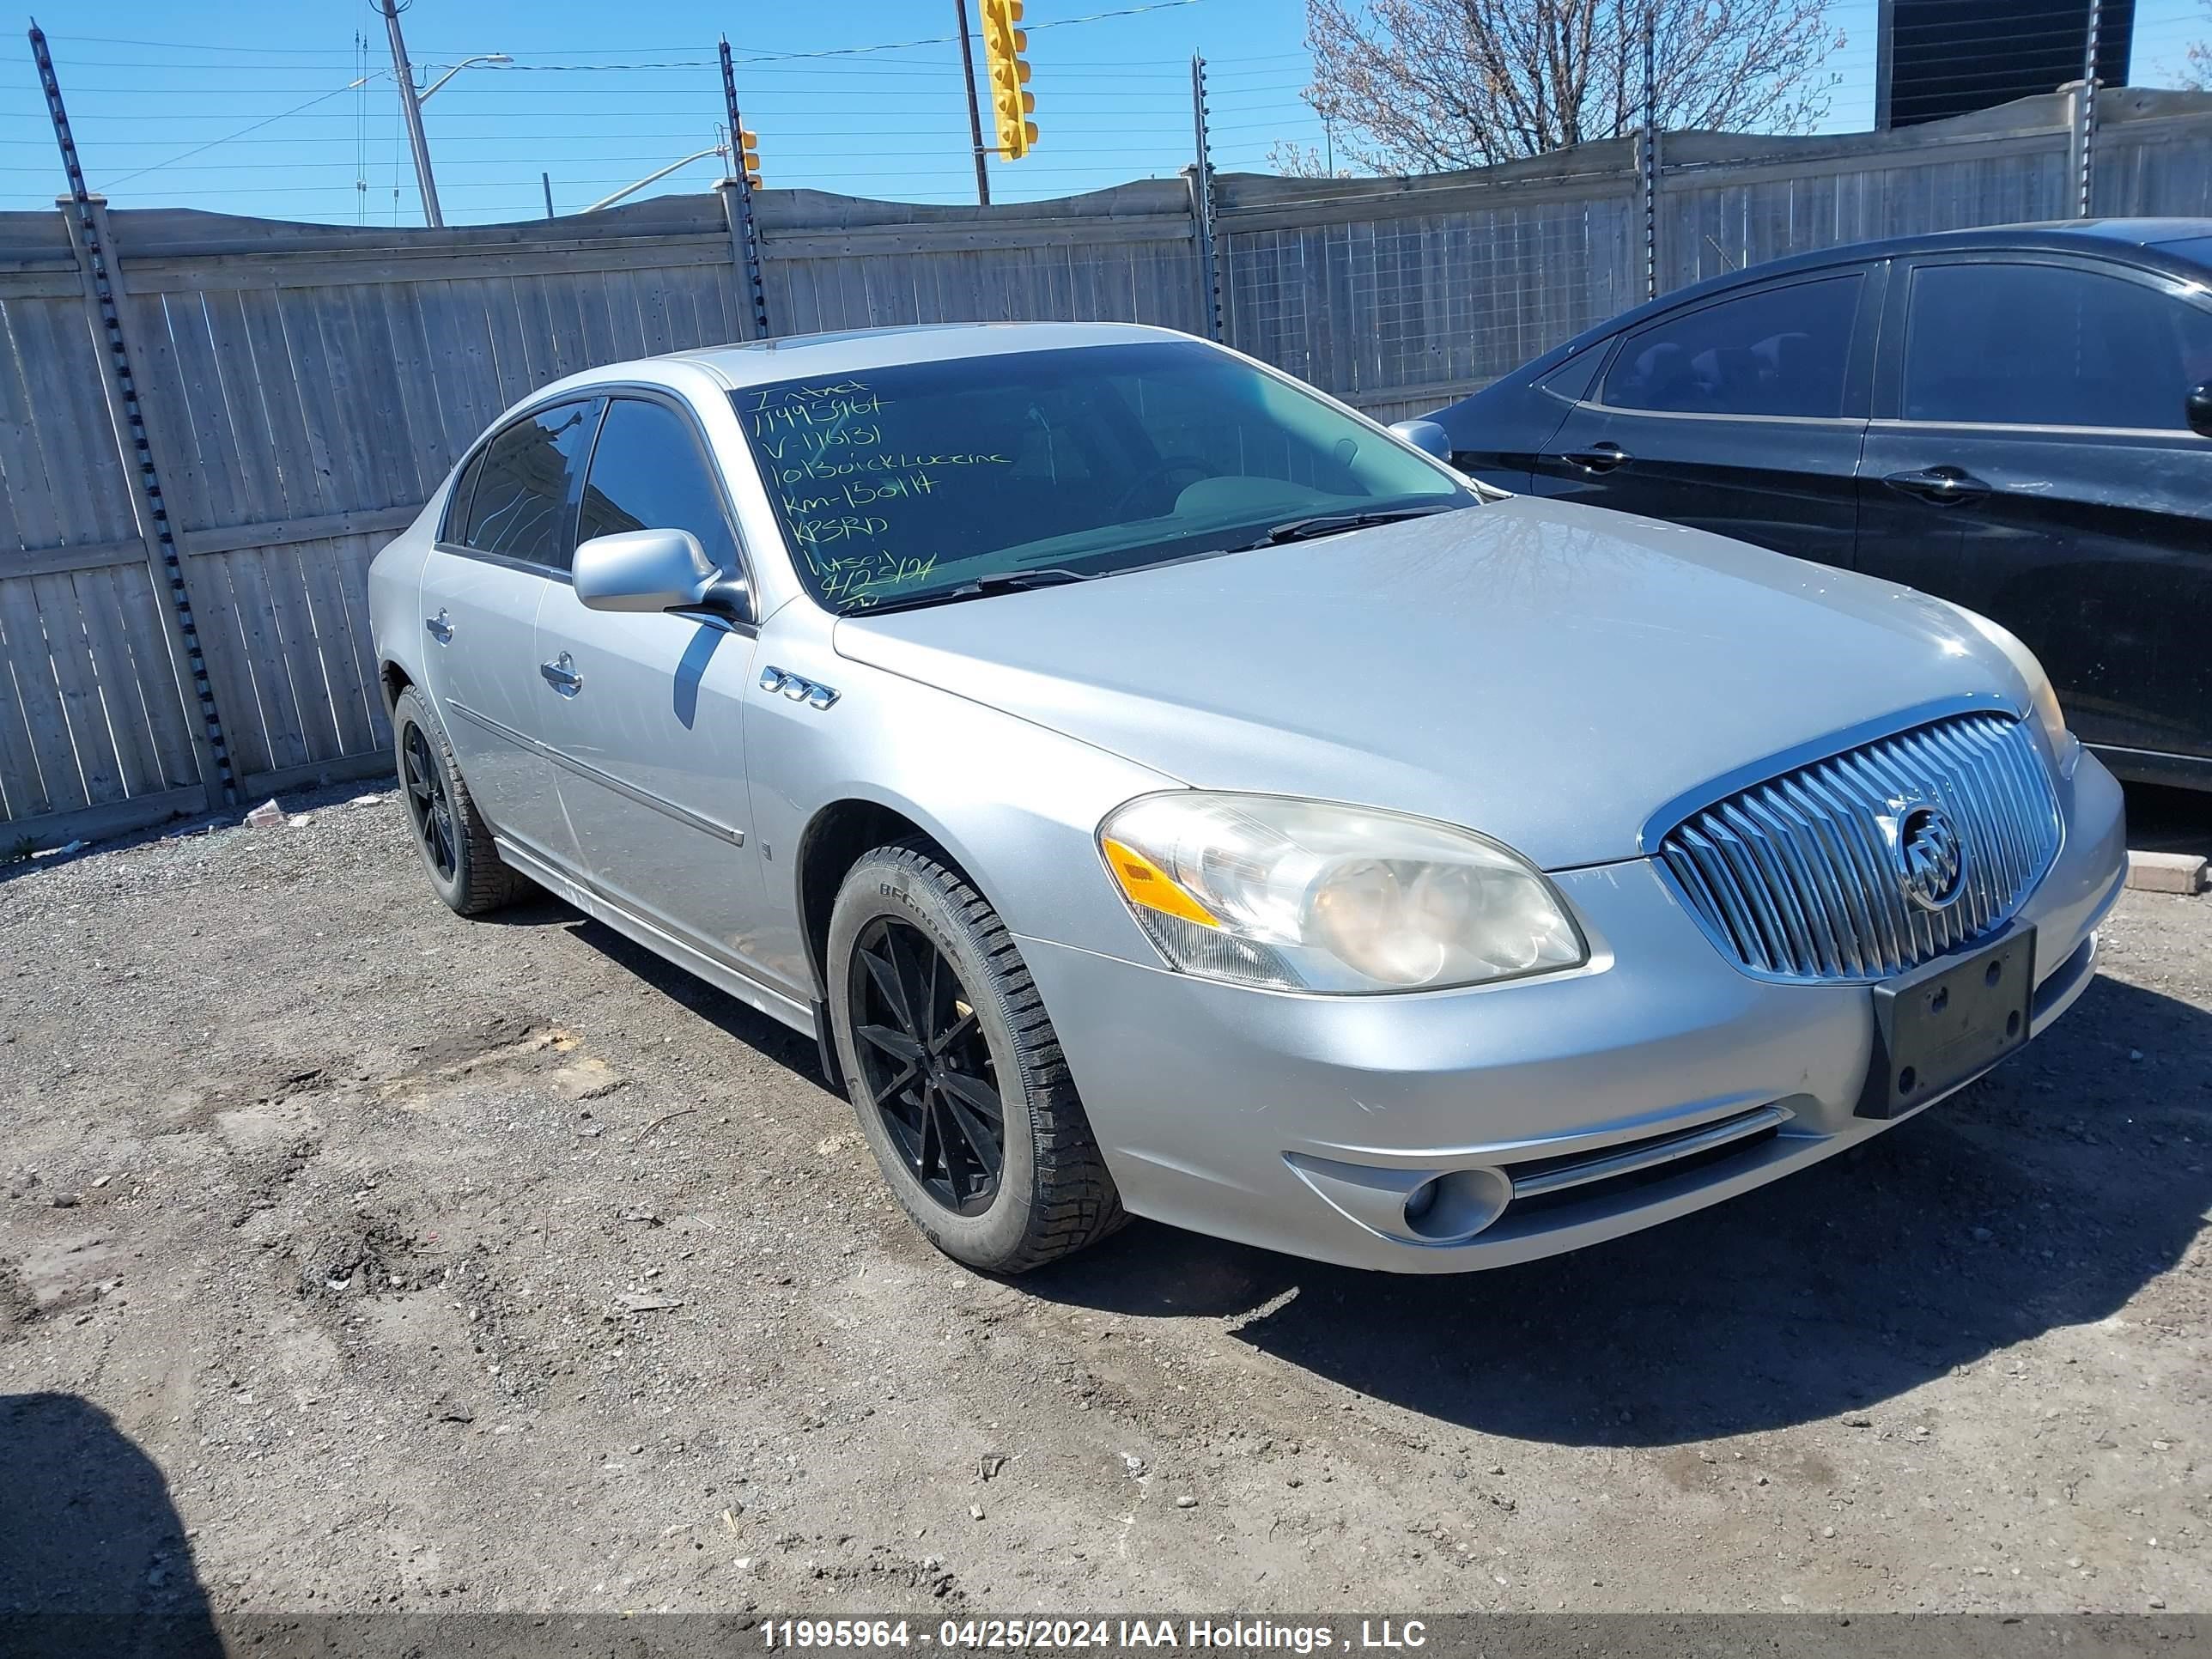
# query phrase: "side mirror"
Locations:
[[644, 570], [2198, 406], [1426, 436]]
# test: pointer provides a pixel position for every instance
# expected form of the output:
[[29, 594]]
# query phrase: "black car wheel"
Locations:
[[954, 1070], [456, 843]]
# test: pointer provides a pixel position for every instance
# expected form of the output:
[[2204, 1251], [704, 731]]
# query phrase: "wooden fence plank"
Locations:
[[90, 738], [230, 663], [304, 668], [30, 666], [22, 790], [123, 690], [143, 629], [302, 463], [338, 644], [262, 656]]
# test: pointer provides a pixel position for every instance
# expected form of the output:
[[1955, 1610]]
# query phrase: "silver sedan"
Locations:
[[1161, 790]]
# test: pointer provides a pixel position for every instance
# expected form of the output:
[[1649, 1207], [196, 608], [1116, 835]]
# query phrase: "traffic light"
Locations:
[[1011, 102], [749, 158]]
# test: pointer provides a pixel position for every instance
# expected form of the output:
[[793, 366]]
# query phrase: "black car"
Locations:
[[2019, 419]]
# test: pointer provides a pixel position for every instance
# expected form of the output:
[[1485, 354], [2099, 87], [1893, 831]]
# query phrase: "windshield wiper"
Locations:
[[996, 581], [1331, 523]]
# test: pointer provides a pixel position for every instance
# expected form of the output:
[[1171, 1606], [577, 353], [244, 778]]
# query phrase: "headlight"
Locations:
[[1300, 895], [2065, 747]]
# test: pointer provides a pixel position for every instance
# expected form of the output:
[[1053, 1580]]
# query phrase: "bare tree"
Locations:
[[1295, 160], [1424, 85]]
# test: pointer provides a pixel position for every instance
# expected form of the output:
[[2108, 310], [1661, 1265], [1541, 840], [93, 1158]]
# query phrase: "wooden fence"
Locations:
[[306, 386]]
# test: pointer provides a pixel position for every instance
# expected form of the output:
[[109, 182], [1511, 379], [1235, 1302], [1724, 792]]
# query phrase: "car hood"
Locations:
[[1548, 674]]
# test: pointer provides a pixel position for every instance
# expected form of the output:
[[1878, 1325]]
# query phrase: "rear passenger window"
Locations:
[[1779, 351], [2049, 345], [525, 493], [649, 473]]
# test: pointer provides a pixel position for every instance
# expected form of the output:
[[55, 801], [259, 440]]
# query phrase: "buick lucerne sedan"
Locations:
[[1163, 791]]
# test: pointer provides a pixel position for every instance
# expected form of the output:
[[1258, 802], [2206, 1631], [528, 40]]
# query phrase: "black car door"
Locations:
[[2031, 459], [1741, 414]]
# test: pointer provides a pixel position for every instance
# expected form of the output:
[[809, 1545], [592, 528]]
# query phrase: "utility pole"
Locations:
[[974, 110], [411, 107]]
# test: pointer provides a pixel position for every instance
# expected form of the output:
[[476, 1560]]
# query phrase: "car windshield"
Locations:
[[917, 483]]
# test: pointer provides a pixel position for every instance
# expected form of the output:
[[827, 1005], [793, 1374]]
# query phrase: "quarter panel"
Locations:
[[395, 589]]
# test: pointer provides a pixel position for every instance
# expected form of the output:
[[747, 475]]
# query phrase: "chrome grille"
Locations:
[[1796, 878]]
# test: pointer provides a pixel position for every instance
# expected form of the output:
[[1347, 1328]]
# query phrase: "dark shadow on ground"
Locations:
[[2047, 1194], [93, 1560], [2162, 820], [770, 1036]]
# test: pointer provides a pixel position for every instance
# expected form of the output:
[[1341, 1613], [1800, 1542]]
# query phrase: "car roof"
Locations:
[[2152, 237], [2061, 235], [850, 351]]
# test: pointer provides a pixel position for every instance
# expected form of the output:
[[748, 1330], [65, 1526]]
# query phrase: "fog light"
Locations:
[[1457, 1204]]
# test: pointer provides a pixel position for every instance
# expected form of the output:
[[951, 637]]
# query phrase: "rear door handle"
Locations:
[[560, 674], [1945, 486], [1598, 457], [441, 629]]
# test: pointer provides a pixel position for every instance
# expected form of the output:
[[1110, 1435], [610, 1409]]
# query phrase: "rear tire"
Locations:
[[455, 842], [907, 930]]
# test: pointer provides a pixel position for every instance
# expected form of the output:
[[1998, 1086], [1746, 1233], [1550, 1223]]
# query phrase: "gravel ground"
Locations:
[[355, 1256]]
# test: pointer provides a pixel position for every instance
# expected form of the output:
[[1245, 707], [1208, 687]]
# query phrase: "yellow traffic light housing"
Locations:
[[1011, 102], [749, 158]]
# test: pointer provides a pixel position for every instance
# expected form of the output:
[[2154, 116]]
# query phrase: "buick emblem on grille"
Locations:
[[1931, 861]]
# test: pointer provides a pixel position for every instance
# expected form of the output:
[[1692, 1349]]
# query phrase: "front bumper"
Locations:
[[1277, 1118]]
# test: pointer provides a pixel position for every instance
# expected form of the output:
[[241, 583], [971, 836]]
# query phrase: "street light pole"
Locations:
[[411, 108], [423, 97], [655, 177]]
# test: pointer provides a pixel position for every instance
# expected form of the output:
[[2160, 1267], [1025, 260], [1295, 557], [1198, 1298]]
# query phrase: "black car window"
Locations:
[[1571, 379], [648, 473], [2049, 345], [525, 489], [1778, 351]]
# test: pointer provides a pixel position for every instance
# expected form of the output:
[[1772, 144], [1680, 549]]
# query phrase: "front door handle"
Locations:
[[1945, 486], [560, 674], [1598, 457], [441, 629]]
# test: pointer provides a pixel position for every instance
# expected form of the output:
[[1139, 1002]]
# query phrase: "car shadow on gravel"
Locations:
[[2047, 1196], [94, 1560], [756, 1030]]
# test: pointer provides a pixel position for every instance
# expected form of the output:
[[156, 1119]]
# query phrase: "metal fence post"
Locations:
[[1647, 161], [736, 194], [1201, 174], [2085, 116], [86, 217]]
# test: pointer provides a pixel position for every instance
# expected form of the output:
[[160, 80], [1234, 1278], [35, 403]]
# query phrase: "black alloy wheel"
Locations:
[[428, 805], [925, 1065]]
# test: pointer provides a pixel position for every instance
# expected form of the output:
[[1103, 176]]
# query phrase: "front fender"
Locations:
[[1015, 805]]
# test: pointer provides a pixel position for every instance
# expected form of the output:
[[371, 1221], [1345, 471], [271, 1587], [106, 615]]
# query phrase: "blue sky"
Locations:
[[598, 96]]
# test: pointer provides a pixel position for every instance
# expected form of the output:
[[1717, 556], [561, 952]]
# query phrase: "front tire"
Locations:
[[954, 1070], [455, 842]]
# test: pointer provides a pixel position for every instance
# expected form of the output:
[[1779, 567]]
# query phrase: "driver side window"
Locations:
[[648, 472]]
